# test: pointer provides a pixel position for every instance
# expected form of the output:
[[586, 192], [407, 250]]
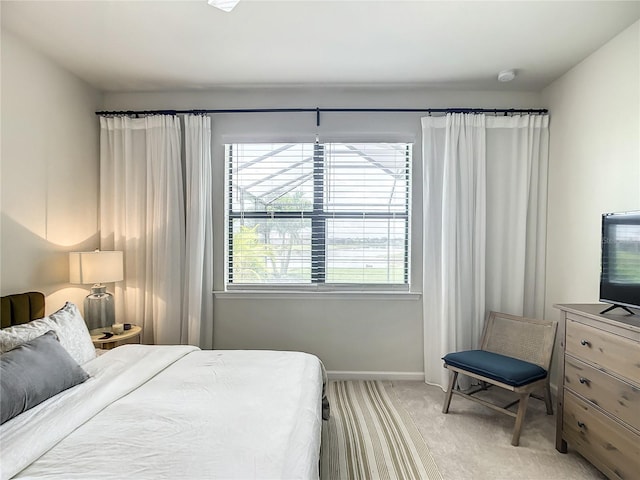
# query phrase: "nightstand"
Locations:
[[112, 342]]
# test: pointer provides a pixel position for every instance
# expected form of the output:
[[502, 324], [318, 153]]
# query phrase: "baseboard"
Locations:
[[360, 375]]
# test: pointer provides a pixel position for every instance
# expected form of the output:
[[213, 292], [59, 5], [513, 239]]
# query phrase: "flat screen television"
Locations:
[[620, 266]]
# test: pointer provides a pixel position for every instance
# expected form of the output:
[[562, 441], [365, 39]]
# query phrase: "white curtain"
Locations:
[[517, 162], [142, 213], [197, 329], [454, 236], [484, 192]]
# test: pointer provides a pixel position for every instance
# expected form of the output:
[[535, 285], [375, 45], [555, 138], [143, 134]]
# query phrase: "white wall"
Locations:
[[594, 164], [50, 182], [356, 333], [49, 173]]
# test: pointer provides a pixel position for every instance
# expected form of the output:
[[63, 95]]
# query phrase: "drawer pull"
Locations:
[[581, 425], [585, 381], [586, 343]]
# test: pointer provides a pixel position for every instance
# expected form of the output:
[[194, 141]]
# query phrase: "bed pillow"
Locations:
[[14, 336], [73, 333], [33, 372], [68, 325]]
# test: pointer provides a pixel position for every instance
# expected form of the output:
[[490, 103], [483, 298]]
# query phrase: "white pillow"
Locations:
[[13, 337], [68, 325]]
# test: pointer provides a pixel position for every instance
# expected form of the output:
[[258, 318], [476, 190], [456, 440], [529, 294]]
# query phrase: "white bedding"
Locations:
[[175, 412]]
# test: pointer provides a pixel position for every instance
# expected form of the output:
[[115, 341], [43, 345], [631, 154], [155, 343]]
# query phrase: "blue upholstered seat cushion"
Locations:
[[498, 367]]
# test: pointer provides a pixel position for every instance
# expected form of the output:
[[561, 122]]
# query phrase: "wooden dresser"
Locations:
[[599, 388]]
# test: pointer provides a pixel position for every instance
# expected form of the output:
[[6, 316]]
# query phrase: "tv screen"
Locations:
[[620, 267]]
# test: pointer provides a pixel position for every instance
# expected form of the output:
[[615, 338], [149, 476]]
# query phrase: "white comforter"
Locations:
[[175, 412]]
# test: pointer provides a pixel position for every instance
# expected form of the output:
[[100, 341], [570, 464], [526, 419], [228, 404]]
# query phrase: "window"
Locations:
[[318, 214]]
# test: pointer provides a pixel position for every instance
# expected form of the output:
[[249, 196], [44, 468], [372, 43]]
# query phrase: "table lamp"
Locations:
[[97, 267]]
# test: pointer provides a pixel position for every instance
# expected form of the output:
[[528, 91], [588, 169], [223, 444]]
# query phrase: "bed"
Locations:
[[170, 412]]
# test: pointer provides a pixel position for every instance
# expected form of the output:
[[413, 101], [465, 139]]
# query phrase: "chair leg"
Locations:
[[453, 376], [522, 410], [547, 398]]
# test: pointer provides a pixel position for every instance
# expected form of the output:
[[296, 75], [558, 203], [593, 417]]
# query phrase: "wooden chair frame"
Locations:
[[543, 358]]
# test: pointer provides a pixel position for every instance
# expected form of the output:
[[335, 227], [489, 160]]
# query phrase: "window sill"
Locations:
[[315, 295]]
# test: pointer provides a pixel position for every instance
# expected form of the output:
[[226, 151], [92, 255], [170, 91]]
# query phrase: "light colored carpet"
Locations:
[[369, 437], [473, 442]]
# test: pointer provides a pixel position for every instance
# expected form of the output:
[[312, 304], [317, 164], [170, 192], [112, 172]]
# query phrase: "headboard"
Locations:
[[21, 308]]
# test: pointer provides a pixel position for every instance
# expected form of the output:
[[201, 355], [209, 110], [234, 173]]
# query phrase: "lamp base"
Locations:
[[99, 308]]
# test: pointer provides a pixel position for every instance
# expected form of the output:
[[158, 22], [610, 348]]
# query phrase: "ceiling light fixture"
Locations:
[[507, 75], [224, 5]]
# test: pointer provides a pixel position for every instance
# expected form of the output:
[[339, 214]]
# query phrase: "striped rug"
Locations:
[[369, 436]]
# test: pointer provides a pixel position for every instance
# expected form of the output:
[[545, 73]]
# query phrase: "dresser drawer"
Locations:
[[618, 398], [611, 447], [615, 354]]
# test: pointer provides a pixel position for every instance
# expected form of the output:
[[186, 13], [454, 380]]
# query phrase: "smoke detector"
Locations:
[[507, 75]]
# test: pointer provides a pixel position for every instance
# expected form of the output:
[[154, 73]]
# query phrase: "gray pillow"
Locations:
[[33, 372]]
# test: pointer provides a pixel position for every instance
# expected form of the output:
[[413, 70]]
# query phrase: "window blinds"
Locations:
[[305, 213]]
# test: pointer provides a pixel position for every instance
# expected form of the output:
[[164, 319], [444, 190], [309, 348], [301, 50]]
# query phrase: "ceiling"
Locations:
[[159, 45]]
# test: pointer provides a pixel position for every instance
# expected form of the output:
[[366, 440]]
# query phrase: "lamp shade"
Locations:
[[95, 267]]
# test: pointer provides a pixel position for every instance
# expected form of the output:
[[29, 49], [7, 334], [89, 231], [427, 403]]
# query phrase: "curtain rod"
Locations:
[[319, 110]]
